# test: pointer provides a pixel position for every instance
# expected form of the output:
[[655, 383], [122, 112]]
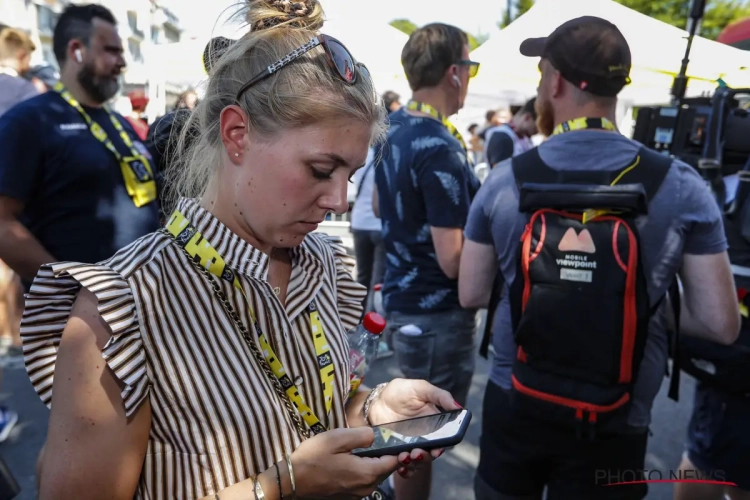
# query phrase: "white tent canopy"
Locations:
[[657, 51]]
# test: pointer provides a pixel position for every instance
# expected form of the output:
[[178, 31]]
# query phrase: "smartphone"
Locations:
[[441, 430]]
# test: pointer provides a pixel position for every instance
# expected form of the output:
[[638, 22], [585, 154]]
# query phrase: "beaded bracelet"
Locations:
[[374, 394]]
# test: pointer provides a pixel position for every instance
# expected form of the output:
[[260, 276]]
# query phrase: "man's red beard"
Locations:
[[545, 117]]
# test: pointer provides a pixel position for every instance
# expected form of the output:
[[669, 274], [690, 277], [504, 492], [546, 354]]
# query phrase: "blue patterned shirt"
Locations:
[[424, 180]]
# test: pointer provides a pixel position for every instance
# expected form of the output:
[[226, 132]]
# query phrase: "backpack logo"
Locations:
[[573, 265], [581, 242]]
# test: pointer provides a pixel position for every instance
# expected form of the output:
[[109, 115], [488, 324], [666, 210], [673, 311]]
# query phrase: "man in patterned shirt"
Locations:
[[424, 187]]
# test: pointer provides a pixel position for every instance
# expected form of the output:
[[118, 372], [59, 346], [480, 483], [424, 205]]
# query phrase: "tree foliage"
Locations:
[[473, 42], [719, 13], [516, 9], [408, 27], [404, 25]]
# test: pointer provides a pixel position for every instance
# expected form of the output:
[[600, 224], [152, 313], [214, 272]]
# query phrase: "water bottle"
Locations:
[[363, 346]]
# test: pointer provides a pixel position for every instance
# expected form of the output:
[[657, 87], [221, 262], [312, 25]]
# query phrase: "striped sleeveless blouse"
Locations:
[[216, 419]]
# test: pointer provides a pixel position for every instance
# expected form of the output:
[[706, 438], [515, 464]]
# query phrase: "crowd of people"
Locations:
[[189, 322]]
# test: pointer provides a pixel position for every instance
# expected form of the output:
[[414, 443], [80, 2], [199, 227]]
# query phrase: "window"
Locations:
[[172, 35], [135, 50], [49, 55], [46, 20], [133, 23]]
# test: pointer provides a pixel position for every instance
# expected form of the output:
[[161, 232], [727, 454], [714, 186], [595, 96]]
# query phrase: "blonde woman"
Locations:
[[209, 359], [16, 49]]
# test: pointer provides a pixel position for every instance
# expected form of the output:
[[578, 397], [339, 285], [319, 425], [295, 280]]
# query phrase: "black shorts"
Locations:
[[518, 458], [718, 439]]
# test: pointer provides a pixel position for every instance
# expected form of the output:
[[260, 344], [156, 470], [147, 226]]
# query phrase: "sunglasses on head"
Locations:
[[339, 59], [473, 67]]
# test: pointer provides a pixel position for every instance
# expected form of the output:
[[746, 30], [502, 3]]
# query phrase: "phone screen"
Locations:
[[417, 430]]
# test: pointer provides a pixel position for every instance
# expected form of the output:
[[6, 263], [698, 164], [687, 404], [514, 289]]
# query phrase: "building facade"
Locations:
[[142, 25]]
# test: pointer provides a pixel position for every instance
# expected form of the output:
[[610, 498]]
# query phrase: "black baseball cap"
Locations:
[[589, 52], [215, 48], [46, 73]]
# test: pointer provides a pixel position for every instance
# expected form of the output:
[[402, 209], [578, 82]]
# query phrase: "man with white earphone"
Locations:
[[75, 182], [424, 187]]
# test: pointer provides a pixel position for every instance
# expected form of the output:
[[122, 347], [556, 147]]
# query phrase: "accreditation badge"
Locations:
[[139, 179]]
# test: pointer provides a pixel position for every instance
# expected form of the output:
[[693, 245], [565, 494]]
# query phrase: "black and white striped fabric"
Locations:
[[216, 418]]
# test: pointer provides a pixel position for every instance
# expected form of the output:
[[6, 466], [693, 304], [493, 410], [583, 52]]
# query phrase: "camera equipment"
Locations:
[[708, 133]]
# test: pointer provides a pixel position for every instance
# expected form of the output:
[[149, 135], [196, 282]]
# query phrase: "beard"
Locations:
[[99, 89], [545, 117]]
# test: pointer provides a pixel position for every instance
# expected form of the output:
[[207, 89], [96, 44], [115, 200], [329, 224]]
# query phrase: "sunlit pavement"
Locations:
[[454, 471]]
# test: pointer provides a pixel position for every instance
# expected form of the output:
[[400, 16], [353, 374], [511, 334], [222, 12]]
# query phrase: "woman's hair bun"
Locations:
[[266, 14]]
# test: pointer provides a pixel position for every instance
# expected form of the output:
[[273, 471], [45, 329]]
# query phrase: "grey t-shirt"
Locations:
[[14, 89], [683, 218]]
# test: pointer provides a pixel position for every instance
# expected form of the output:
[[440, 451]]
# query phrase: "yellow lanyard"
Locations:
[[136, 169], [426, 108], [583, 124], [189, 238]]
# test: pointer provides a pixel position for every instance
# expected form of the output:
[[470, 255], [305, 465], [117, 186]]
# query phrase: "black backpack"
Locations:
[[723, 367], [579, 303]]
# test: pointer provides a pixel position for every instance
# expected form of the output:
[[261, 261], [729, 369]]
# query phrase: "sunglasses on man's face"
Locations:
[[339, 59], [473, 67]]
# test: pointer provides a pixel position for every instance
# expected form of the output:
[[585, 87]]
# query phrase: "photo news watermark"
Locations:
[[621, 477]]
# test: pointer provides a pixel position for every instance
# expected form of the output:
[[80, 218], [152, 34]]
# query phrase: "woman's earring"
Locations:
[[237, 154]]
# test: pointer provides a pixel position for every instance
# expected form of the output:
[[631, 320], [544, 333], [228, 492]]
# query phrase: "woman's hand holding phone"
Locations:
[[324, 466], [403, 399]]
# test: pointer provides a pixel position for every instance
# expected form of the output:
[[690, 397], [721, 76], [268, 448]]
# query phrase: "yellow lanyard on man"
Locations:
[[593, 124], [198, 247], [136, 169], [426, 108], [583, 124]]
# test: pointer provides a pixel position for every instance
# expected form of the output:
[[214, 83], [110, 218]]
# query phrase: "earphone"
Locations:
[[457, 80], [79, 57]]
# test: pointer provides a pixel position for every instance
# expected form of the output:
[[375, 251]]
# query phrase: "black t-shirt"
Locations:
[[500, 148], [74, 195], [163, 144], [163, 137]]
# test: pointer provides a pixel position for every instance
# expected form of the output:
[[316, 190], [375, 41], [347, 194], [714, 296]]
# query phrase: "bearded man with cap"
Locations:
[[584, 64]]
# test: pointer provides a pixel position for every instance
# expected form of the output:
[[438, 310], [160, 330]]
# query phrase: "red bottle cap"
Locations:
[[378, 287], [374, 323]]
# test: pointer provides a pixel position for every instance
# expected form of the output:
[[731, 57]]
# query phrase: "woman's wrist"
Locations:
[[354, 405], [270, 483], [245, 490], [369, 409]]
